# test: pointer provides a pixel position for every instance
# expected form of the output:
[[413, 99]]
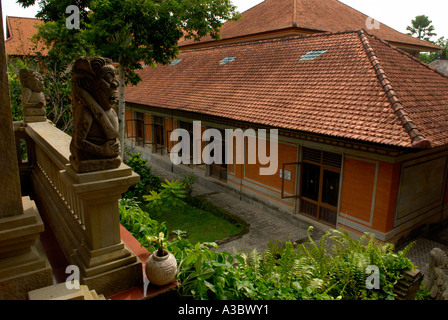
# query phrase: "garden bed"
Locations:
[[204, 222]]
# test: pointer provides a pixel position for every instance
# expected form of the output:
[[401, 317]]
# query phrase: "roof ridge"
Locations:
[[407, 54], [23, 18], [418, 141], [282, 39]]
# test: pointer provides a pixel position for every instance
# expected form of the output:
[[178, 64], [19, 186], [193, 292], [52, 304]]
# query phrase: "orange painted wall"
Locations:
[[286, 154], [357, 188], [386, 196], [358, 191]]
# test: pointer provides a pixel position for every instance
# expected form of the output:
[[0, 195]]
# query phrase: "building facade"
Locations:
[[362, 141]]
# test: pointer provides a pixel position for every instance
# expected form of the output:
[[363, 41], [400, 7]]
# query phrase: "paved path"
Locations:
[[265, 224]]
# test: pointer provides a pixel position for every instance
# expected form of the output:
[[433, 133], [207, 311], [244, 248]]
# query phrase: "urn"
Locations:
[[161, 271]]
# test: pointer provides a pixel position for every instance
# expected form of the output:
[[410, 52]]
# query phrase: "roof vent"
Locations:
[[175, 62], [312, 55], [227, 60]]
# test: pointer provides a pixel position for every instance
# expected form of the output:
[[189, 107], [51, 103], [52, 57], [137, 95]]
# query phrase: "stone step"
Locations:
[[61, 292]]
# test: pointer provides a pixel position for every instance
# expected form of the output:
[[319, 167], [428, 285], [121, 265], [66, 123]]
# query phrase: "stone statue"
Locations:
[[33, 99], [435, 279], [94, 144]]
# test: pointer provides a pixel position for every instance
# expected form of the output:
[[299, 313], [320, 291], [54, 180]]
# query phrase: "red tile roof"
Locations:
[[319, 15], [19, 32], [361, 88]]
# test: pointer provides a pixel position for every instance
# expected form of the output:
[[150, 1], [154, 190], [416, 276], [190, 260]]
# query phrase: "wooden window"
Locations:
[[158, 134], [189, 127], [217, 170], [139, 128]]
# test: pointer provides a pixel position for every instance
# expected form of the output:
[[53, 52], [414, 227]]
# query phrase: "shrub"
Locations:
[[148, 181], [138, 222], [333, 268]]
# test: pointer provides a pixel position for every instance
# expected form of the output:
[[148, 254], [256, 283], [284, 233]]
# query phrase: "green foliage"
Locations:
[[148, 181], [15, 87], [57, 91], [159, 240], [168, 199], [204, 273], [131, 32], [188, 182], [422, 28], [332, 268], [310, 271], [138, 222], [430, 57], [136, 31]]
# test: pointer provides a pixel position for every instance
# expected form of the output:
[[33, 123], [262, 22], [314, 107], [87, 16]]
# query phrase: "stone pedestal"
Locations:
[[34, 115], [407, 287], [106, 263], [23, 263], [82, 209]]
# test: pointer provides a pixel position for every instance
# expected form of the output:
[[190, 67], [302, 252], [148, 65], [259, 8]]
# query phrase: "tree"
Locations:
[[430, 57], [422, 27], [169, 198], [131, 32]]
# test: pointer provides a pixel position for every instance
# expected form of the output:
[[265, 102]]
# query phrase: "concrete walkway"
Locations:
[[266, 224]]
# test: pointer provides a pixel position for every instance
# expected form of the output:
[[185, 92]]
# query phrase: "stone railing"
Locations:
[[82, 209]]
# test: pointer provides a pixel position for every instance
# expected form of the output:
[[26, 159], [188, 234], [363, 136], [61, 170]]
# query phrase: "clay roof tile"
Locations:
[[19, 31], [349, 91]]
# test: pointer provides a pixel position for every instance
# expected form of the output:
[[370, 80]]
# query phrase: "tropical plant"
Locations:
[[159, 240], [138, 222], [332, 268], [148, 181], [168, 199]]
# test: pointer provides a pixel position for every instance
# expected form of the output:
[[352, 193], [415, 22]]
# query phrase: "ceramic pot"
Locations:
[[161, 271]]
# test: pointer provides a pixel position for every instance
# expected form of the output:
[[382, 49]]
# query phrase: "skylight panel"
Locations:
[[175, 62], [227, 60], [311, 55]]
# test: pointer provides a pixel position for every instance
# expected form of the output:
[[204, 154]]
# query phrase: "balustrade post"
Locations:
[[23, 263], [103, 252], [82, 209]]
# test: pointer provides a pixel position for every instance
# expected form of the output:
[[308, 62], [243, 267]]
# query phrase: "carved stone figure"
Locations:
[[94, 144], [33, 99], [435, 279]]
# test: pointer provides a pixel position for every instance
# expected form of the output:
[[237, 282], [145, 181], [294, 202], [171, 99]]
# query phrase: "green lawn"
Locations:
[[203, 222]]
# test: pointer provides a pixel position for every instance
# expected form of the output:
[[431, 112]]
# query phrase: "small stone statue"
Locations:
[[435, 279], [33, 99], [94, 144]]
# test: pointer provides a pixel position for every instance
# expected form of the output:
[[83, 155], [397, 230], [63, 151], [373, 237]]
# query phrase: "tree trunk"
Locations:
[[121, 108]]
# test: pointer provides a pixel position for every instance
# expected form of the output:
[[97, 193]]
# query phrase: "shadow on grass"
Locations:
[[205, 222]]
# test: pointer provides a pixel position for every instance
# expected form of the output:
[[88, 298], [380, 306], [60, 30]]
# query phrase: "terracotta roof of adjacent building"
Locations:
[[318, 15], [360, 88], [19, 30]]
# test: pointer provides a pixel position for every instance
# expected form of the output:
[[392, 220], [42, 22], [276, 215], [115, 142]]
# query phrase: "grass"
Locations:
[[203, 221]]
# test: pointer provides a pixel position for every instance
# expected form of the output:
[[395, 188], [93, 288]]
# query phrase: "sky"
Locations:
[[396, 14]]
